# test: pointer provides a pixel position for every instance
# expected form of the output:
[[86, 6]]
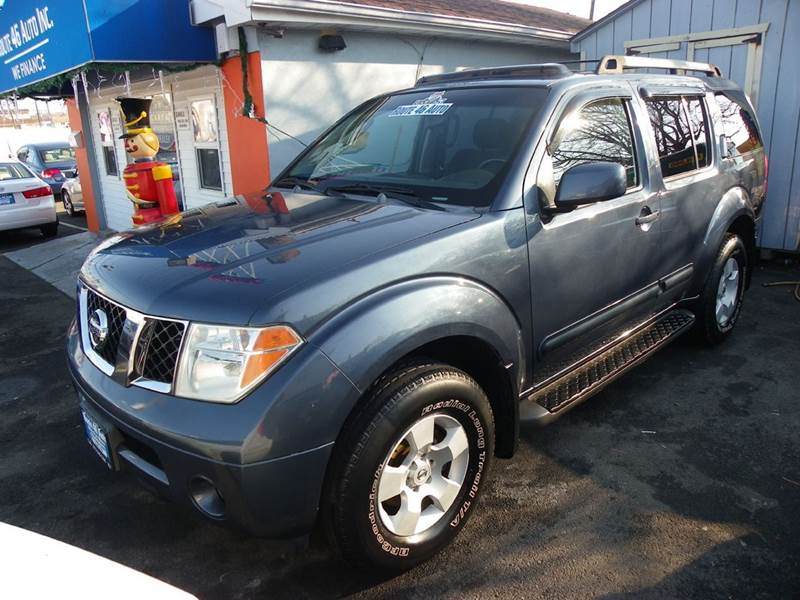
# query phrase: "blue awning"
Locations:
[[43, 38]]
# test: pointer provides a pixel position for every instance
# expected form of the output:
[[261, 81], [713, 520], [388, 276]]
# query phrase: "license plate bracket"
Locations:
[[101, 436]]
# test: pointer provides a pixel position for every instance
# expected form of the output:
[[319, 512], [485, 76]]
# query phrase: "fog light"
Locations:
[[206, 498]]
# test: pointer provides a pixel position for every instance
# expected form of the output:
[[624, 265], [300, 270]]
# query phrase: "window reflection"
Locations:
[[739, 127], [673, 135], [599, 132], [697, 120]]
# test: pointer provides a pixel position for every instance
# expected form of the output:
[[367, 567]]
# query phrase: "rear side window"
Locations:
[[680, 126], [698, 121], [12, 171], [599, 132], [739, 127]]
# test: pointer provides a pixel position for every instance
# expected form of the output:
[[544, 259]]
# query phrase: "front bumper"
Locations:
[[266, 458]]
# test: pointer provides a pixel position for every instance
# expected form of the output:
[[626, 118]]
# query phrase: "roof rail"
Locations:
[[615, 63], [537, 71]]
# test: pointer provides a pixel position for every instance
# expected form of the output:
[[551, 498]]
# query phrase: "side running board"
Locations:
[[545, 404]]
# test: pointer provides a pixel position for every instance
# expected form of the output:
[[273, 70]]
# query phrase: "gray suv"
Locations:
[[446, 264]]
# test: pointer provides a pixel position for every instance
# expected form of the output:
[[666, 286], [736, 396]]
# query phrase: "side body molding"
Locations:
[[373, 333]]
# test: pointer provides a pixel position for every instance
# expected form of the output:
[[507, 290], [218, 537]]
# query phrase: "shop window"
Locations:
[[206, 143], [162, 124], [107, 145]]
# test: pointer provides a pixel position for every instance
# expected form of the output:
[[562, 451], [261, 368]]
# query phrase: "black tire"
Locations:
[[351, 516], [50, 230], [67, 202], [708, 328]]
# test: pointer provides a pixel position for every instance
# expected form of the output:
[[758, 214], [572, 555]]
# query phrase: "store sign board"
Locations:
[[39, 39], [147, 31], [43, 38]]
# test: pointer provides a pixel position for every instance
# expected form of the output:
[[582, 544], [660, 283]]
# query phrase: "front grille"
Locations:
[[152, 363], [157, 353], [116, 321]]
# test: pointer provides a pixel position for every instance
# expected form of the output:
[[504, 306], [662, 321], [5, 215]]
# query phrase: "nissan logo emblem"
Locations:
[[98, 328]]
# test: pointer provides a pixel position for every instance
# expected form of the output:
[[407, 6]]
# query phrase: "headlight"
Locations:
[[220, 363]]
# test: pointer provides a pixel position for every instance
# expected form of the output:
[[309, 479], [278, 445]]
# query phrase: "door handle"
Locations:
[[647, 216]]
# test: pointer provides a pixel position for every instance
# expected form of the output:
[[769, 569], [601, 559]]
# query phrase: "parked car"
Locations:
[[54, 162], [72, 195], [37, 566], [26, 201], [445, 265]]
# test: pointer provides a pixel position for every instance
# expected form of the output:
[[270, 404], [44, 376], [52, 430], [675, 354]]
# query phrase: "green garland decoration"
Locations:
[[247, 107]]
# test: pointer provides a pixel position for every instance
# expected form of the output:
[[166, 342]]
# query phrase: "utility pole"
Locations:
[[38, 116], [591, 11]]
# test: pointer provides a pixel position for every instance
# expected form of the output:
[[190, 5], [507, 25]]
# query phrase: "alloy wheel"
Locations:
[[67, 202], [727, 291], [423, 475]]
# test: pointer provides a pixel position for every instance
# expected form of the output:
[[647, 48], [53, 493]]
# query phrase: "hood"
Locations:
[[224, 261]]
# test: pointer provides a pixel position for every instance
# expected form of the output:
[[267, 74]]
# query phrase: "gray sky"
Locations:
[[576, 7]]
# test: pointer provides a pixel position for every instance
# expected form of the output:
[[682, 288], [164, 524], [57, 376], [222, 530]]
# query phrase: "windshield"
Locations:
[[453, 146], [55, 155]]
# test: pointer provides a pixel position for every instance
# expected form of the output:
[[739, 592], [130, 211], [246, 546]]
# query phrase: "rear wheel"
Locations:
[[67, 202], [720, 302], [50, 230], [408, 468]]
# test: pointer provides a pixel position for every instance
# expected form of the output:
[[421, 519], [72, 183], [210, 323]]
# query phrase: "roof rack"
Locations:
[[615, 63], [537, 71]]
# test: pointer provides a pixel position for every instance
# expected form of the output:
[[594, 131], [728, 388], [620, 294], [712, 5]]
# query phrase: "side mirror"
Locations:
[[590, 182]]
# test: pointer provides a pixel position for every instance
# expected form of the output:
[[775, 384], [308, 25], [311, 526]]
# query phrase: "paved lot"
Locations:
[[680, 480], [25, 238]]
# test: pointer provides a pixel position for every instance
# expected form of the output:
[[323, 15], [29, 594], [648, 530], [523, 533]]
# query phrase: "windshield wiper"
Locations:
[[406, 195], [296, 182]]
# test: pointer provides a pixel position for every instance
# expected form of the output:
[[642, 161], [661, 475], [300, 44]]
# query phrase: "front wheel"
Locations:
[[408, 468], [718, 307]]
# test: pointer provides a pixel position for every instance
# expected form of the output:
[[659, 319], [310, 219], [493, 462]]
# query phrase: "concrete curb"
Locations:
[[58, 261]]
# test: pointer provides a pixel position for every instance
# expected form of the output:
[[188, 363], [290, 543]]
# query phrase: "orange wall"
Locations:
[[82, 158], [247, 138]]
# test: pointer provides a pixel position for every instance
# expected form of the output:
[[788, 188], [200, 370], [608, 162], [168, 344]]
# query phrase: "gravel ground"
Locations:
[[681, 480]]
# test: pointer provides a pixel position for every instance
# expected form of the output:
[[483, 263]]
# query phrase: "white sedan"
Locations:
[[26, 200], [72, 195], [36, 566]]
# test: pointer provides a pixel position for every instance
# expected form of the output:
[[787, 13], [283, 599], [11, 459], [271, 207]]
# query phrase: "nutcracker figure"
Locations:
[[148, 183]]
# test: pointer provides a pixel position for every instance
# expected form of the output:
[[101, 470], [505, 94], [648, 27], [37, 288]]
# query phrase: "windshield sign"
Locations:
[[451, 146]]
